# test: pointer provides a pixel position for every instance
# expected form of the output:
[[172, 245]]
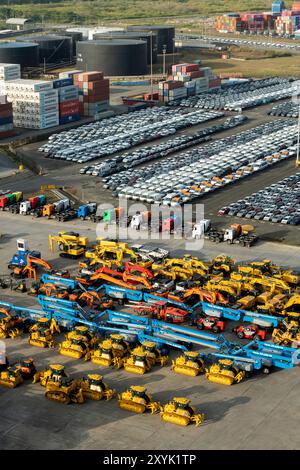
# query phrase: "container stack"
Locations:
[[230, 23], [191, 77], [93, 92], [68, 100], [6, 118], [34, 103], [10, 72], [288, 23]]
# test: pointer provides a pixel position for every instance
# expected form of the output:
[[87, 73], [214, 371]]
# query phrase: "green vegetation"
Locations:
[[97, 11]]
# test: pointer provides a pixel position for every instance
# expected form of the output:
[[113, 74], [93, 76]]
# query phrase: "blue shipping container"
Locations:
[[66, 119], [6, 120], [61, 82]]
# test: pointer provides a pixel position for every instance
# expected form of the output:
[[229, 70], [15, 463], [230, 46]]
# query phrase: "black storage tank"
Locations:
[[150, 38], [52, 49], [76, 36], [165, 36], [26, 53], [114, 57]]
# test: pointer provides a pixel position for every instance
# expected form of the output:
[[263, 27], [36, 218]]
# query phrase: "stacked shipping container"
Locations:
[[6, 118], [93, 92], [35, 103], [187, 80], [68, 100]]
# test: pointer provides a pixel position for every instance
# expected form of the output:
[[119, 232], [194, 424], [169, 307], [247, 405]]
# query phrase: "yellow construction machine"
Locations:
[[41, 333], [137, 400], [55, 373], [109, 253], [75, 345], [292, 307], [270, 303], [224, 372], [110, 352], [65, 391], [222, 265], [190, 363], [11, 377], [94, 388], [143, 358], [180, 411], [9, 327], [288, 334], [70, 244]]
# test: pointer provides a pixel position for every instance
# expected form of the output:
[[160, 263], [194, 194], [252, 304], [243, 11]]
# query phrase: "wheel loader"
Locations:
[[10, 327], [65, 391], [110, 352], [94, 388], [137, 400], [190, 363], [55, 373], [180, 411], [41, 334], [224, 372], [74, 345], [11, 377]]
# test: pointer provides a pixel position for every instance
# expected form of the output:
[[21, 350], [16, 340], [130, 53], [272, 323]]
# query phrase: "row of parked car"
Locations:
[[249, 42], [112, 135], [278, 203], [129, 177], [146, 154], [288, 109], [247, 95], [190, 181]]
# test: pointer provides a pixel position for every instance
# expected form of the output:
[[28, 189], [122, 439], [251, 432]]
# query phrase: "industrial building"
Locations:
[[26, 53], [149, 37], [115, 57], [165, 36]]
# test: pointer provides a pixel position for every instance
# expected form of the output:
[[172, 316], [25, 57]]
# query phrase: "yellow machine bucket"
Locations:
[[101, 361], [175, 418], [58, 396], [94, 395], [67, 351], [134, 369], [132, 406], [220, 379], [40, 343], [186, 370]]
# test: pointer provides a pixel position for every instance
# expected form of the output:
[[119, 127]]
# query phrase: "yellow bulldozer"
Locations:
[[9, 327], [224, 372], [94, 388], [180, 411], [110, 352], [64, 391], [190, 363], [137, 400], [11, 377], [143, 358], [41, 333], [75, 345], [55, 373]]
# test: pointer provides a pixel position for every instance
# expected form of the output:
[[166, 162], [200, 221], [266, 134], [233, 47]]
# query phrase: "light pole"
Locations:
[[151, 64], [298, 144], [164, 59]]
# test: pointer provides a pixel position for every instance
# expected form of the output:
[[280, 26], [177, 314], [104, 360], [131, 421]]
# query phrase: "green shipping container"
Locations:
[[18, 196], [42, 200], [11, 198], [108, 215]]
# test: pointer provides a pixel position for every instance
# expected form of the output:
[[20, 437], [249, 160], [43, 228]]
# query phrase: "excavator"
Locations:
[[222, 265], [292, 307], [288, 334], [271, 284], [71, 244], [108, 253], [120, 278], [204, 295], [180, 411], [269, 303], [30, 269]]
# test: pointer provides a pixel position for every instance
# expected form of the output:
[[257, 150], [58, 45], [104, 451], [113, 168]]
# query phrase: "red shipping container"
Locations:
[[197, 74], [6, 113], [69, 112], [171, 85], [6, 107], [190, 68], [68, 104], [91, 76], [5, 134], [95, 99], [33, 201]]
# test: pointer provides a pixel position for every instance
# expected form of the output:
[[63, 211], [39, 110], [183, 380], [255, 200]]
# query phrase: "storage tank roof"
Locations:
[[14, 45], [113, 41]]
